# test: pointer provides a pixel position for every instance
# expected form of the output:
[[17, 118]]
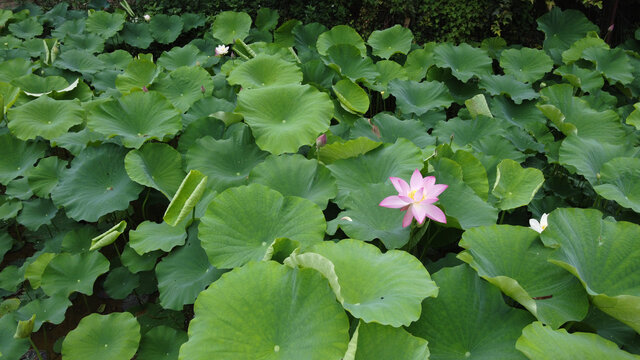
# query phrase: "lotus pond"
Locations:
[[191, 187]]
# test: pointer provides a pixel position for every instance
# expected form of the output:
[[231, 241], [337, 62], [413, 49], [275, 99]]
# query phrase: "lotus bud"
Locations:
[[203, 89], [321, 140], [147, 17], [144, 88], [610, 28]]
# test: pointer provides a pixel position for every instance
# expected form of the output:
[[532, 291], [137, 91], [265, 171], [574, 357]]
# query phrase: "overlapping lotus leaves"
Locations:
[[188, 55], [574, 53], [161, 343], [19, 189], [588, 155], [294, 175], [618, 181], [418, 98], [385, 43], [507, 84], [549, 292], [9, 207], [230, 25], [515, 186], [137, 35], [120, 283], [14, 68], [526, 64], [348, 62], [184, 273], [81, 61], [383, 288], [340, 35], [150, 236], [156, 165], [33, 271], [91, 43], [388, 129], [186, 198], [561, 29], [374, 341], [283, 118], [104, 24], [137, 263], [303, 320], [343, 150], [11, 277], [37, 212], [585, 79], [469, 319], [612, 64], [67, 273], [184, 86], [136, 118], [26, 29], [165, 29], [586, 245], [139, 73], [9, 347], [388, 70], [544, 343], [242, 222], [17, 157], [464, 60], [9, 95], [115, 337], [34, 85], [419, 61], [44, 117], [265, 70], [49, 310]]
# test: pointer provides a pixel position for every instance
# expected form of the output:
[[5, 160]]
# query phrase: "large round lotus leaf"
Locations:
[[265, 70], [284, 118], [515, 186], [17, 157], [120, 283], [161, 343], [219, 109], [348, 61], [9, 347], [49, 310], [230, 25], [80, 61], [156, 165], [375, 341], [185, 273], [383, 288], [104, 24], [188, 55], [464, 60], [588, 155], [396, 39], [103, 337], [26, 29], [619, 178], [549, 292], [95, 184], [339, 35], [184, 86], [561, 29], [352, 97], [36, 85], [346, 149], [37, 212], [375, 167], [14, 68], [391, 128], [242, 222], [79, 240], [165, 29], [139, 73], [389, 70], [19, 189], [507, 84], [587, 245], [364, 219], [68, 273], [613, 64], [136, 118], [418, 98], [137, 35], [301, 320], [44, 117], [543, 343], [150, 236], [526, 64], [293, 175], [227, 162], [469, 319], [91, 43], [419, 61]]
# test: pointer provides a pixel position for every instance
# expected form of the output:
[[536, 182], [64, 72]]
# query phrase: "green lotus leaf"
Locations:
[[100, 337], [477, 105], [139, 73], [33, 271], [549, 292], [515, 186], [108, 237], [634, 117], [213, 107], [104, 24], [348, 61], [6, 243], [389, 70], [49, 310], [316, 73], [474, 173], [137, 117], [161, 343], [507, 84], [137, 263], [617, 182], [494, 46], [526, 64], [17, 157], [11, 277], [340, 35], [78, 240], [351, 96], [14, 68], [306, 37], [185, 273], [164, 28], [346, 149], [37, 212], [9, 347], [585, 79], [81, 61], [419, 61], [26, 29], [303, 320], [612, 64], [156, 165], [19, 189], [91, 43], [230, 25], [193, 21], [189, 193], [588, 155], [205, 126], [69, 27], [283, 118], [9, 95], [188, 55], [137, 35], [391, 129], [385, 43], [68, 273], [561, 29], [399, 159], [184, 86], [242, 222], [76, 142], [612, 329], [293, 175], [456, 327], [25, 328], [120, 283], [95, 184], [34, 85], [575, 52], [9, 207], [586, 246], [265, 70], [464, 60], [8, 306], [150, 236], [383, 288], [44, 117], [418, 98], [540, 342], [374, 341]]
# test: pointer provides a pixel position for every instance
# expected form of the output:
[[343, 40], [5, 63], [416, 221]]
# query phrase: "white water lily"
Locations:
[[539, 226], [147, 17], [221, 50]]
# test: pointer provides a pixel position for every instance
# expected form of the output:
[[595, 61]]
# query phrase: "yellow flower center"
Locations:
[[413, 193]]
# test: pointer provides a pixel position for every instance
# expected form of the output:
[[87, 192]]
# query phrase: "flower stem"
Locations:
[[35, 348]]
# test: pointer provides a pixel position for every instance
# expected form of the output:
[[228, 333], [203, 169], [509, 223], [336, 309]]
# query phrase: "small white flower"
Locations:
[[539, 226], [147, 17], [221, 50]]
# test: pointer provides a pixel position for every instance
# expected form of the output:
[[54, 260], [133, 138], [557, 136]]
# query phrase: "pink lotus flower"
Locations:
[[416, 198]]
